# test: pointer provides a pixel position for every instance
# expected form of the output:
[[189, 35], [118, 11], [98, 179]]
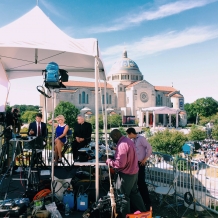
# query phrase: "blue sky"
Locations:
[[173, 42]]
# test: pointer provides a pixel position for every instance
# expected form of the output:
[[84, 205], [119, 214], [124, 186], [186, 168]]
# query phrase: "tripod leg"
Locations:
[[11, 168]]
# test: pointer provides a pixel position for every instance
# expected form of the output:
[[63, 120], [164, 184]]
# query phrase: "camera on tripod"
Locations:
[[6, 119]]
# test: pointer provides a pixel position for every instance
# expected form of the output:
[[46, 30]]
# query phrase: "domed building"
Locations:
[[129, 95]]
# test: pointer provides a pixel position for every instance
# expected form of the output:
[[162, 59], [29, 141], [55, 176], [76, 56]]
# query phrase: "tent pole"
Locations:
[[96, 130]]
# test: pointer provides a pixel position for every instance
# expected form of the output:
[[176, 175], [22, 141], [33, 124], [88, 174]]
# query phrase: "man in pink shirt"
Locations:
[[125, 163], [143, 151]]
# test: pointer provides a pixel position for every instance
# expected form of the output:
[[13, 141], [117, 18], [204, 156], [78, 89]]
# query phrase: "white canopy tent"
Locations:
[[32, 41], [161, 110]]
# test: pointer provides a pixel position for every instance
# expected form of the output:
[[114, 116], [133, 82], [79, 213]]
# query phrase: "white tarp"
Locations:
[[162, 110], [29, 43], [4, 88]]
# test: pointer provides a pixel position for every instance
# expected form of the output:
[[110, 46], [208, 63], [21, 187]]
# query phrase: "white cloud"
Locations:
[[52, 9], [152, 14], [161, 42]]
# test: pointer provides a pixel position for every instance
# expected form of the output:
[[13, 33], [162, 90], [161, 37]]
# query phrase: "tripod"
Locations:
[[10, 167], [189, 198], [4, 155]]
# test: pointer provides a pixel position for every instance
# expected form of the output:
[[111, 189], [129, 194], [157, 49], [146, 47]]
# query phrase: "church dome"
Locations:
[[125, 69]]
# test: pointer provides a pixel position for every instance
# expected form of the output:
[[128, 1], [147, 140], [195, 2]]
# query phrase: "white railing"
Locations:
[[201, 181]]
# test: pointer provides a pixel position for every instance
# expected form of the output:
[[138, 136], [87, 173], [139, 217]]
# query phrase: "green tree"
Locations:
[[69, 111], [114, 120], [29, 116], [202, 107], [215, 132], [23, 108], [168, 142], [100, 122], [197, 134], [191, 113]]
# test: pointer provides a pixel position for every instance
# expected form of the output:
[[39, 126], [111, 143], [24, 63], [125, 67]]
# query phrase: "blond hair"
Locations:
[[61, 117]]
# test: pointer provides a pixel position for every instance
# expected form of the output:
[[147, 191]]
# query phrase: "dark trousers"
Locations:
[[127, 185], [75, 147], [142, 186]]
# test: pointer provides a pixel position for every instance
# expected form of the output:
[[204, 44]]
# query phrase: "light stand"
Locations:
[[52, 157]]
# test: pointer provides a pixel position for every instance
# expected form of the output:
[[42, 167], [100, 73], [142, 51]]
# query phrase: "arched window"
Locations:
[[109, 99], [87, 98], [102, 99], [79, 98], [83, 97]]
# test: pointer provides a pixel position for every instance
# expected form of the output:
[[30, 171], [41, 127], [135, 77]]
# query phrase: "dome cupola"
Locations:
[[124, 70]]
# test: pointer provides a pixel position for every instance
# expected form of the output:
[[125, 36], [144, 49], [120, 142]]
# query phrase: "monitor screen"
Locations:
[[128, 120]]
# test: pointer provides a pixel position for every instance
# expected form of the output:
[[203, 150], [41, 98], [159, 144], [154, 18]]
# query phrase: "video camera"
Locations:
[[6, 120]]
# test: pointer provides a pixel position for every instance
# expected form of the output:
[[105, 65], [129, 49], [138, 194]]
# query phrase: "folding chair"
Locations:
[[67, 145]]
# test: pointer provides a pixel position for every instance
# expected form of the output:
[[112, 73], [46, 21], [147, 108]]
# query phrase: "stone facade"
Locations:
[[127, 93]]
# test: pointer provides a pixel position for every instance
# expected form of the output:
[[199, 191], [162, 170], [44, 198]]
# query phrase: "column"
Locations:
[[177, 119], [154, 120], [170, 119], [147, 119], [164, 119]]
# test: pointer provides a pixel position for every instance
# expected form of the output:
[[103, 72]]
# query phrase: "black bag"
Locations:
[[83, 157]]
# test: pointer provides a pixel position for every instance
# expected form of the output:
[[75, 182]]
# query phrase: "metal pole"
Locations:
[[96, 131], [52, 157]]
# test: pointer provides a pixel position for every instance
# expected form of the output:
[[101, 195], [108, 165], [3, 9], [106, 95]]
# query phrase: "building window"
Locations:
[[109, 99], [79, 98], [161, 101], [102, 99], [83, 97], [121, 89], [87, 99]]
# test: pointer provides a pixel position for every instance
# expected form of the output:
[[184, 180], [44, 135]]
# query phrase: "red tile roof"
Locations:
[[67, 90], [165, 88], [85, 84]]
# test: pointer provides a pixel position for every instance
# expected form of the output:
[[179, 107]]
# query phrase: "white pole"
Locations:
[[106, 115], [52, 151], [96, 130]]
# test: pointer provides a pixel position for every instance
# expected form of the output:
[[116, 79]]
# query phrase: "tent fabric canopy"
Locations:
[[29, 43], [161, 110]]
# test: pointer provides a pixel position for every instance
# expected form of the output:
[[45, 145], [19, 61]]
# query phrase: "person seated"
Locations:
[[81, 136], [60, 136], [38, 128]]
